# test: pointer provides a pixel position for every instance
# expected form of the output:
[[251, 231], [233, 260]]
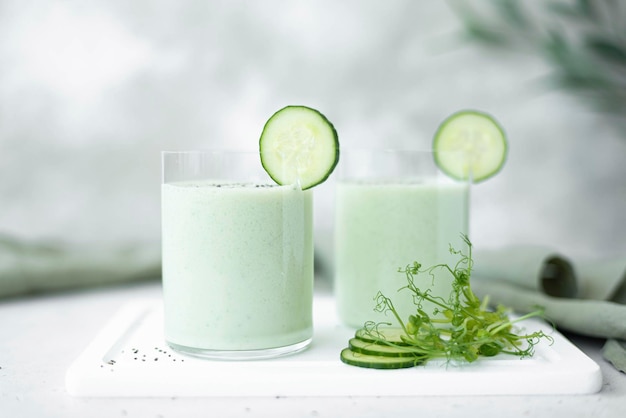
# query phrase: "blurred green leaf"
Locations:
[[586, 48], [556, 48], [587, 8], [512, 12], [564, 9], [581, 81], [580, 10], [606, 48], [487, 35]]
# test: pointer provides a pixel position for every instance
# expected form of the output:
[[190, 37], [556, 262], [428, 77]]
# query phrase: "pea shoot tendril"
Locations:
[[461, 327]]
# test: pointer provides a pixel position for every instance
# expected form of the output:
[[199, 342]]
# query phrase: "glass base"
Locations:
[[235, 355]]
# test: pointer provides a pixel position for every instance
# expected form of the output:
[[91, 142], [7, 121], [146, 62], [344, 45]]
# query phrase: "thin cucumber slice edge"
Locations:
[[391, 335], [381, 349], [348, 356]]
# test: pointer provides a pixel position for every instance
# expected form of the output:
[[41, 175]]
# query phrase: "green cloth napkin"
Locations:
[[583, 297], [33, 267]]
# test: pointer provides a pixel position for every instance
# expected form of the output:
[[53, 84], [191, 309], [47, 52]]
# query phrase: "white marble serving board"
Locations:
[[129, 358]]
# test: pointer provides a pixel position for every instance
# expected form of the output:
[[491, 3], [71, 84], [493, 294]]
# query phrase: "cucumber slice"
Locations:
[[392, 335], [299, 145], [481, 138], [354, 358], [381, 349]]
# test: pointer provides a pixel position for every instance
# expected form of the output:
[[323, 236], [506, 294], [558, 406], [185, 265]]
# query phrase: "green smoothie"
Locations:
[[381, 227], [237, 266]]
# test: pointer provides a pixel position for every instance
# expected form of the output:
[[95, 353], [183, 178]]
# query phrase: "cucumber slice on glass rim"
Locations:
[[299, 145], [482, 142]]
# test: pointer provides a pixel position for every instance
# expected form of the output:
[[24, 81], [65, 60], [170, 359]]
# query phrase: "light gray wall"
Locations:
[[91, 92]]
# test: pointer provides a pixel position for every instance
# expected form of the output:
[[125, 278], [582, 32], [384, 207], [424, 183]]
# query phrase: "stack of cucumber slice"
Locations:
[[386, 352]]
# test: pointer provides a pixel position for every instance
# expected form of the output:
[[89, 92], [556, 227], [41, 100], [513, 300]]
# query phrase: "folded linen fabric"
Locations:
[[544, 269], [534, 267], [602, 279], [592, 318], [613, 351], [33, 267], [584, 297]]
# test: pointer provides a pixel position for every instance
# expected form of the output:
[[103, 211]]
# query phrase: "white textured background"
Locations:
[[92, 91]]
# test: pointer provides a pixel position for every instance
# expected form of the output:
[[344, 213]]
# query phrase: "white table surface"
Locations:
[[43, 335]]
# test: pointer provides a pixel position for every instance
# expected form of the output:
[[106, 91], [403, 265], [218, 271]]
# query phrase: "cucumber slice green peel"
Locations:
[[299, 145], [382, 349], [470, 144], [355, 358]]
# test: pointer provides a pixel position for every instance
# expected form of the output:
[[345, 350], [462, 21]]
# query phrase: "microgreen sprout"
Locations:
[[461, 327]]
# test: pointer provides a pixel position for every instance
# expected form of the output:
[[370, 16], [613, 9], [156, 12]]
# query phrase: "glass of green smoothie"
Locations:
[[393, 207], [237, 257]]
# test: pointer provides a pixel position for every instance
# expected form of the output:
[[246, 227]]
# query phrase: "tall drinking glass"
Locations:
[[393, 207], [237, 257]]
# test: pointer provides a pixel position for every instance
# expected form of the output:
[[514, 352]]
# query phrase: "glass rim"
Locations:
[[398, 150], [210, 151]]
